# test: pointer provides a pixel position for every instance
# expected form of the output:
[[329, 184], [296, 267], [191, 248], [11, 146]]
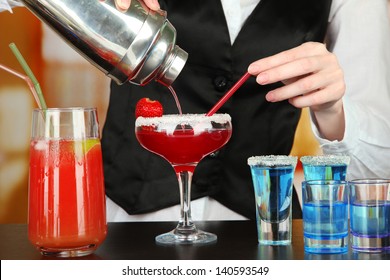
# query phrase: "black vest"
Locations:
[[140, 181]]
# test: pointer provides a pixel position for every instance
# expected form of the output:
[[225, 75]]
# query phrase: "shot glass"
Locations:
[[325, 216], [370, 215], [273, 185], [66, 208], [325, 167]]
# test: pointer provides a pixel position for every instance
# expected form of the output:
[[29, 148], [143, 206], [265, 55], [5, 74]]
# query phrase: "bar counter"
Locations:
[[237, 240]]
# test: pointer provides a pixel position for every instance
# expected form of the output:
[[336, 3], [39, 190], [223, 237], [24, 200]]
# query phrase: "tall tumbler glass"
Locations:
[[370, 215], [66, 212], [273, 178], [325, 216]]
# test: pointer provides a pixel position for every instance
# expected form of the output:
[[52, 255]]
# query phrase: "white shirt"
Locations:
[[359, 35]]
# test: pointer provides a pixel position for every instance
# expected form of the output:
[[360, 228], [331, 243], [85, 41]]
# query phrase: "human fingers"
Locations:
[[295, 63], [308, 84], [325, 99], [302, 51], [122, 5], [307, 71], [295, 69], [152, 4], [320, 91]]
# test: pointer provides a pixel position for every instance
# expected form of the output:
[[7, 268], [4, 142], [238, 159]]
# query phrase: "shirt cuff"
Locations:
[[351, 133]]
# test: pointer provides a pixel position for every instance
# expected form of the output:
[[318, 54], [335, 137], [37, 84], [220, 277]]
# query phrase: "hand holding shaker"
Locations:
[[137, 45]]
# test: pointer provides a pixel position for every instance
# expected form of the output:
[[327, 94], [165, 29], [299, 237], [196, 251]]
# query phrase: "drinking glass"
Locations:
[[325, 167], [273, 185], [370, 215], [325, 216], [184, 140], [66, 212]]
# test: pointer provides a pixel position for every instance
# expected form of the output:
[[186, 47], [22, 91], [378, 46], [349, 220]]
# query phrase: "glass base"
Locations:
[[326, 246], [275, 243], [198, 237], [370, 244], [274, 233], [68, 252]]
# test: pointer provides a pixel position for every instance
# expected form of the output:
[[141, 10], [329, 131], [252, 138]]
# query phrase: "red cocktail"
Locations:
[[67, 215], [183, 140]]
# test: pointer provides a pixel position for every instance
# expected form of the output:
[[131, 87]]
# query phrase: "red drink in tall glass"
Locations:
[[67, 215], [61, 184]]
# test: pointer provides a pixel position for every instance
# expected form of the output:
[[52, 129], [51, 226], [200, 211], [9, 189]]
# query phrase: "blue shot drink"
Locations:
[[325, 167], [325, 216], [273, 185], [370, 215]]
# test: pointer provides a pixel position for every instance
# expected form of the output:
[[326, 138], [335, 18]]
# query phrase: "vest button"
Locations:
[[214, 154], [220, 83]]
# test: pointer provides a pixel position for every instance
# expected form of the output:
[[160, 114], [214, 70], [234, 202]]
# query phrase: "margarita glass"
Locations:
[[184, 140]]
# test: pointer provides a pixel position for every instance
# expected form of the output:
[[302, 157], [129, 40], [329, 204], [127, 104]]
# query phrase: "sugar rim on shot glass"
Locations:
[[273, 160], [325, 160]]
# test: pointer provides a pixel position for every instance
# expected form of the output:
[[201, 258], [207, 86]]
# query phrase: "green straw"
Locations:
[[30, 74]]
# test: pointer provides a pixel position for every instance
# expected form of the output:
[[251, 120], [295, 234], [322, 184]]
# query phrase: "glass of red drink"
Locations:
[[184, 140], [66, 211]]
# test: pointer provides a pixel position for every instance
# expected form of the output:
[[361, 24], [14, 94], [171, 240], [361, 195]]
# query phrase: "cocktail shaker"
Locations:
[[136, 46]]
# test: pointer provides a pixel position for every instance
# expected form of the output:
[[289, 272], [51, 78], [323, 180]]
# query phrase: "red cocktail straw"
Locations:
[[228, 94]]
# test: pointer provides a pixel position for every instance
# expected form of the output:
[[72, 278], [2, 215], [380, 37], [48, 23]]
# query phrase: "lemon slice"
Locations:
[[89, 144], [82, 147]]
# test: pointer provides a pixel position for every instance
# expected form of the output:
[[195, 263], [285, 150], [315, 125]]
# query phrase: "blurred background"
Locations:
[[66, 80]]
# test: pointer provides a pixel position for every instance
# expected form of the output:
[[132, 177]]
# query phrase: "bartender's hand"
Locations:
[[123, 5], [313, 78]]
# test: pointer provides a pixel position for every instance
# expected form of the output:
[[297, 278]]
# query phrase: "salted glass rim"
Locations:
[[273, 160], [174, 119], [325, 159]]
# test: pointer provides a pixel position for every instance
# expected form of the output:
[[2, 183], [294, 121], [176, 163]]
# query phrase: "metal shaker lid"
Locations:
[[173, 67]]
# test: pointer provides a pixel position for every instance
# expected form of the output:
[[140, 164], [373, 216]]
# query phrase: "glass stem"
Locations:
[[185, 222]]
